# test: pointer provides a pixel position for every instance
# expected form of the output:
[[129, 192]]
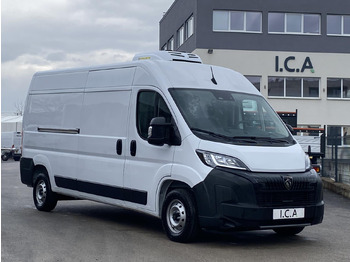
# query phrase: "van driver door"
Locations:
[[145, 164]]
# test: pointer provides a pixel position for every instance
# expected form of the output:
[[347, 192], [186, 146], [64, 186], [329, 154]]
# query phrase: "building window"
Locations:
[[293, 87], [181, 35], [338, 25], [338, 88], [294, 23], [339, 135], [185, 31], [237, 21], [189, 26], [170, 44], [255, 80]]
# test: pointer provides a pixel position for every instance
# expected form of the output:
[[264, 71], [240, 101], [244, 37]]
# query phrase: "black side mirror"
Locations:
[[158, 131], [290, 128]]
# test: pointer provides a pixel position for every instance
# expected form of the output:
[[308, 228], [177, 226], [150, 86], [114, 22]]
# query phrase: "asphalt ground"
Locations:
[[88, 231]]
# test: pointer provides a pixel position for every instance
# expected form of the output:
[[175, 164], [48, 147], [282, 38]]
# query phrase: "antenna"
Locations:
[[213, 77]]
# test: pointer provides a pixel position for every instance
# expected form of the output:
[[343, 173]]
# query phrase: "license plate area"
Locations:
[[288, 213]]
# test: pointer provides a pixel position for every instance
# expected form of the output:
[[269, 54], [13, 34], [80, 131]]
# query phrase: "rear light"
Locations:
[[317, 168]]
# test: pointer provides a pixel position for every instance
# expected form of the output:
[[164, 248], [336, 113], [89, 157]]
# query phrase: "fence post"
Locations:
[[336, 162]]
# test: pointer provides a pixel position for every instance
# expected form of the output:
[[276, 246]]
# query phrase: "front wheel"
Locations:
[[179, 216], [44, 198], [288, 231]]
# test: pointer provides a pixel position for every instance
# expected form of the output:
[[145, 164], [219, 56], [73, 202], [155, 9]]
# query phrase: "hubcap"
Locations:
[[176, 216], [41, 193]]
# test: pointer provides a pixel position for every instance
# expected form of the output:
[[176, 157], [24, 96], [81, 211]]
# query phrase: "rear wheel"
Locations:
[[179, 216], [288, 231], [44, 198]]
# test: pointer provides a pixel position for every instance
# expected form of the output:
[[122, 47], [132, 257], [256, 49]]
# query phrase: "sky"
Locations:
[[40, 35]]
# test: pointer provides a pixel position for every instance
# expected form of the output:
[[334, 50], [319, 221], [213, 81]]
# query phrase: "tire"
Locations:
[[179, 216], [288, 231], [5, 157], [16, 158], [44, 198]]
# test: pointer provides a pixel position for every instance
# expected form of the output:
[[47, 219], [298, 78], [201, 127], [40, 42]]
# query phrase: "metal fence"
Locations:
[[336, 161]]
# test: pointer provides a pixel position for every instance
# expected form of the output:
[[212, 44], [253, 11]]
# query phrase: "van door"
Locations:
[[145, 164], [102, 144]]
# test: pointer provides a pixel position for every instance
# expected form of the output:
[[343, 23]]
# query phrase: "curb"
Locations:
[[339, 188]]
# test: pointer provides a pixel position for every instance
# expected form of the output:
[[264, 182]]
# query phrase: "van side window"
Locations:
[[149, 105]]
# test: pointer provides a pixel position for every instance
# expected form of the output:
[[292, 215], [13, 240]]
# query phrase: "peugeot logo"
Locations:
[[288, 182]]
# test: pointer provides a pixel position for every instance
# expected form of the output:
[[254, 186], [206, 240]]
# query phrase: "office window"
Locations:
[[276, 86], [294, 23], [255, 80], [171, 44], [311, 87], [181, 35], [220, 20], [293, 87], [338, 25], [237, 21], [338, 88], [253, 21], [189, 25]]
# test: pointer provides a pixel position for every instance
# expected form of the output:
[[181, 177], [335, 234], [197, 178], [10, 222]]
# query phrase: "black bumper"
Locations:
[[242, 200]]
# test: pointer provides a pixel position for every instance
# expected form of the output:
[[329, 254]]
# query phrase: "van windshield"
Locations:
[[231, 117]]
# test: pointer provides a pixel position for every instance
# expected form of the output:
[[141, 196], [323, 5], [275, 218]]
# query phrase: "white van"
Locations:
[[194, 144]]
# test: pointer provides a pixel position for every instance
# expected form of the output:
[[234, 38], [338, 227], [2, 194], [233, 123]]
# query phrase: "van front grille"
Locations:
[[272, 192]]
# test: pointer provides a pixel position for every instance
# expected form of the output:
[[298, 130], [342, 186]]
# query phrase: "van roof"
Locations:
[[164, 73]]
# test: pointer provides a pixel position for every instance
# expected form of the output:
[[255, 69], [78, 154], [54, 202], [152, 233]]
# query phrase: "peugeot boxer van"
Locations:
[[195, 145]]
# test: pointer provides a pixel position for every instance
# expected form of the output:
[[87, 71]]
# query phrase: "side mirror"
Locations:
[[158, 131], [290, 128]]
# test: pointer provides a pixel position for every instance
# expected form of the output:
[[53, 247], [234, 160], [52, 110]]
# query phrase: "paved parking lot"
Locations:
[[88, 231]]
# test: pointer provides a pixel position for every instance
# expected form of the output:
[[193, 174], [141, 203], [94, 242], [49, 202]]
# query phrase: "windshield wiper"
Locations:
[[210, 133], [265, 139], [242, 139]]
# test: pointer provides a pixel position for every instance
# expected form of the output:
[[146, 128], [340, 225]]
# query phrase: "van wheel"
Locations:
[[179, 216], [288, 231], [44, 198]]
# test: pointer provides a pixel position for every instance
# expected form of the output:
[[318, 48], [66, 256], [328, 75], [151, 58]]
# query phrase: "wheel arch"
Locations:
[[166, 187]]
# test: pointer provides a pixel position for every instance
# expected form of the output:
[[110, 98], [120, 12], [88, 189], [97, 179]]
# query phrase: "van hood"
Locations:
[[261, 158]]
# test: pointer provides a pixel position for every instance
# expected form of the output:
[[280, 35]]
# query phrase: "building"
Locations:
[[297, 53]]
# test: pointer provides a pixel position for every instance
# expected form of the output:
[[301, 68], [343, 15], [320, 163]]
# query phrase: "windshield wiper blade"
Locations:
[[265, 139], [228, 138], [210, 133]]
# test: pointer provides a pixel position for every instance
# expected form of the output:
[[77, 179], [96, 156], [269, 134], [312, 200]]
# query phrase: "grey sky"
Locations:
[[41, 35]]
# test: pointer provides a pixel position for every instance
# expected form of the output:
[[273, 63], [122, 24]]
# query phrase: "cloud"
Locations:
[[39, 35]]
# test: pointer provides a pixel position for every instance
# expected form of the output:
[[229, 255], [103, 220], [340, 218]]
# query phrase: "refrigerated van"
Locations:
[[193, 144]]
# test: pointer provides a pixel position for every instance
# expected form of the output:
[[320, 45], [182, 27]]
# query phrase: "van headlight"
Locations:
[[307, 162], [213, 160]]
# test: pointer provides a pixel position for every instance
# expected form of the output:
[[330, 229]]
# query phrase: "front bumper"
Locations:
[[242, 200]]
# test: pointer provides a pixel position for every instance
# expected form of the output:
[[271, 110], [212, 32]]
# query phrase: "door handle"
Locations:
[[119, 146], [133, 147]]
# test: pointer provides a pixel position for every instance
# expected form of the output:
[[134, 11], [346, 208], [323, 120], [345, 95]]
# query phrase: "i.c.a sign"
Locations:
[[285, 65]]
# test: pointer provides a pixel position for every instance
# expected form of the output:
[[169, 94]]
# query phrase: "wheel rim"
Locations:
[[41, 193], [176, 216]]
